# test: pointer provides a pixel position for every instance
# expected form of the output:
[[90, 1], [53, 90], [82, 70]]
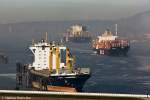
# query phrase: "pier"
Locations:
[[38, 95]]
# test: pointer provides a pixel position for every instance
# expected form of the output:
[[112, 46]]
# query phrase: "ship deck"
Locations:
[[46, 72]]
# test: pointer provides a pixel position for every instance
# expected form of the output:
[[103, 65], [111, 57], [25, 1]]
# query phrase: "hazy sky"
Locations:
[[37, 10]]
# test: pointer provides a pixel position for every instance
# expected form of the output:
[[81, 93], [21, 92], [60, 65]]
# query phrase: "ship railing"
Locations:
[[75, 71], [63, 71]]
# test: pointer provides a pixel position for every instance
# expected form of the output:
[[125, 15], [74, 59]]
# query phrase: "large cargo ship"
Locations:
[[109, 44], [78, 34], [53, 69]]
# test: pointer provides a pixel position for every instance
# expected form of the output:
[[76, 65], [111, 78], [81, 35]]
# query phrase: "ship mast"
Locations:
[[33, 41], [46, 37], [116, 29]]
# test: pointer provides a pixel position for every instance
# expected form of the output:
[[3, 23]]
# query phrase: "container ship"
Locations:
[[53, 69], [109, 44], [77, 34]]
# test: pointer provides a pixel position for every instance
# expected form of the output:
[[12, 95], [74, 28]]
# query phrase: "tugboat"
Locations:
[[109, 44], [77, 34], [53, 69]]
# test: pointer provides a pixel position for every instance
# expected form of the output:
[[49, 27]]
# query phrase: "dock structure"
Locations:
[[38, 95], [22, 76], [3, 58]]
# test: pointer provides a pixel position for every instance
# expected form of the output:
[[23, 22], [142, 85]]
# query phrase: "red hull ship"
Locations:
[[109, 44]]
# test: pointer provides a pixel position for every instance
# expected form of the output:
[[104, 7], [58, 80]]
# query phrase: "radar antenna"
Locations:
[[46, 37], [116, 26], [33, 41]]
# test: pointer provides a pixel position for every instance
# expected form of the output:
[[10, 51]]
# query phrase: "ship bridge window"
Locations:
[[43, 47], [38, 67], [42, 41], [34, 50]]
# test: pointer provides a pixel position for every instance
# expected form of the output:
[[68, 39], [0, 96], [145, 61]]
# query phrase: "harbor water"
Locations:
[[124, 74]]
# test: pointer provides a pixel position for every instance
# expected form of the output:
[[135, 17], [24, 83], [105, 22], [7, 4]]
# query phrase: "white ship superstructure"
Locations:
[[77, 33], [107, 36], [76, 30], [41, 52], [50, 56]]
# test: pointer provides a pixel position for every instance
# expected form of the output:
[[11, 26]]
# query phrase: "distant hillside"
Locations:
[[54, 28], [134, 27], [22, 33]]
